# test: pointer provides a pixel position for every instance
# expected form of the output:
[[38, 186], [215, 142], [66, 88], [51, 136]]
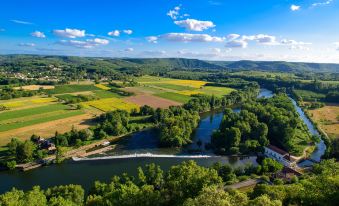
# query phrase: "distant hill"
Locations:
[[280, 66], [29, 63]]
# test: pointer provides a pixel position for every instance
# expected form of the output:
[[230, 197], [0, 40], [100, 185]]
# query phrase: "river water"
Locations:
[[321, 147], [86, 172]]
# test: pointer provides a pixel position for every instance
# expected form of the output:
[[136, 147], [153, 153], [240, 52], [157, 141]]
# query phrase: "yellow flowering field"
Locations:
[[103, 87], [111, 104], [27, 102]]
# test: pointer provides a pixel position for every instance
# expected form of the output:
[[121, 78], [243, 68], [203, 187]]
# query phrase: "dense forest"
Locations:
[[191, 185], [272, 120]]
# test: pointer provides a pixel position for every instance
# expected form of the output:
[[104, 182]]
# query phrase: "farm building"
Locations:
[[280, 155]]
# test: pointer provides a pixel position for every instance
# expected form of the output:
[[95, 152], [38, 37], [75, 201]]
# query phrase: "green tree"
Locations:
[[187, 180], [271, 165], [24, 151]]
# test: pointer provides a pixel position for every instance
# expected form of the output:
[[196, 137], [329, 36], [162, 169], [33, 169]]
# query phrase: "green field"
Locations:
[[32, 111], [173, 87], [217, 91], [38, 120], [174, 97], [309, 95], [102, 94], [72, 88]]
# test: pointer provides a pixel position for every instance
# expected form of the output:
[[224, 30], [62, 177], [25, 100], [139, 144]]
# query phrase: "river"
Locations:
[[86, 172], [321, 147]]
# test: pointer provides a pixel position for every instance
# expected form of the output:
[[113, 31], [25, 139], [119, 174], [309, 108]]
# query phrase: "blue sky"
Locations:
[[289, 30]]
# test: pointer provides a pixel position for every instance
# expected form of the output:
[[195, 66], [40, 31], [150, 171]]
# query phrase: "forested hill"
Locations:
[[29, 63], [278, 66]]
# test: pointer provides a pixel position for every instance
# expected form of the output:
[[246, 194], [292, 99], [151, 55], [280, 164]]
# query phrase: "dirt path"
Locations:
[[246, 183]]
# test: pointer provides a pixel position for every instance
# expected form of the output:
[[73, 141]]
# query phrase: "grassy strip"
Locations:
[[72, 88], [31, 111], [309, 95], [40, 120], [174, 97], [102, 94], [173, 87]]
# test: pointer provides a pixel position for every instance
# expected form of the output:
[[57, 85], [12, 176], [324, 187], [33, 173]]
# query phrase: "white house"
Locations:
[[280, 155]]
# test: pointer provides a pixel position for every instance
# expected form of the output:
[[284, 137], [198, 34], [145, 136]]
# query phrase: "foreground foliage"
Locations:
[[186, 184]]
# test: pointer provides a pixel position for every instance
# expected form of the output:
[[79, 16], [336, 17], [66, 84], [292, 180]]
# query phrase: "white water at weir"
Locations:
[[144, 155]]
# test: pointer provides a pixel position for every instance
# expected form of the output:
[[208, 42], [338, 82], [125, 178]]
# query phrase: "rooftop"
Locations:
[[277, 150]]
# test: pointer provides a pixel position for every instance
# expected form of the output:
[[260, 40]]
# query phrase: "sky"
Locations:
[[268, 30]]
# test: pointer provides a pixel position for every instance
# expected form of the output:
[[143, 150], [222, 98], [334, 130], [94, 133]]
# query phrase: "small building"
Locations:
[[280, 155]]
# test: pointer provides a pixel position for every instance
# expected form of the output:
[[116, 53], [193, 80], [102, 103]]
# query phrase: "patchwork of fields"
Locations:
[[44, 115], [174, 90]]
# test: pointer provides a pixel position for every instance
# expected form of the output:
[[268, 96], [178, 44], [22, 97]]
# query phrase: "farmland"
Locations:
[[309, 95], [72, 88], [27, 102], [44, 115], [35, 87], [175, 90], [327, 118], [174, 96], [151, 100], [110, 104]]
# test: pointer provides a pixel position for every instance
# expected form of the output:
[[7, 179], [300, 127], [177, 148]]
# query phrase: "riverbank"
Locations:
[[144, 155]]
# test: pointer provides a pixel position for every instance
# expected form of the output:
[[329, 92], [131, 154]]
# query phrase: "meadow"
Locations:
[[309, 95], [72, 88], [174, 96], [327, 118], [26, 117], [27, 102]]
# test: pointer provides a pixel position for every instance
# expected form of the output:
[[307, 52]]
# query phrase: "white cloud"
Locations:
[[237, 44], [337, 45], [89, 43], [194, 25], [294, 7], [38, 34], [261, 38], [27, 44], [293, 42], [216, 50], [69, 33], [114, 33], [295, 45], [128, 31], [98, 41], [186, 37], [231, 37], [299, 47], [152, 39], [21, 22], [322, 3], [129, 49], [174, 13]]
